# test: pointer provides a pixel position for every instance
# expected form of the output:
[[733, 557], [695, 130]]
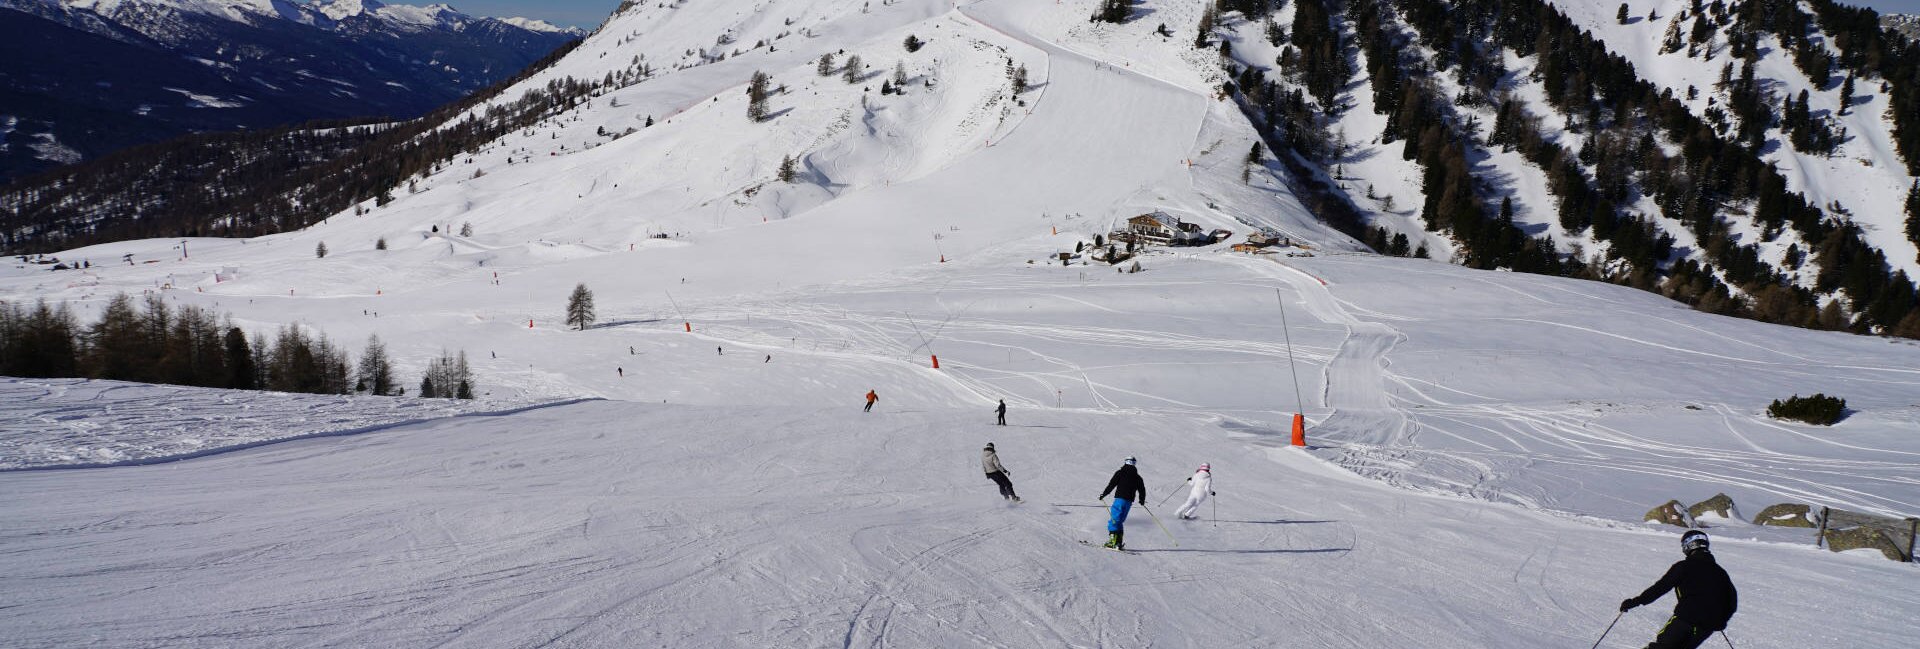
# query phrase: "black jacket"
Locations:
[[1126, 485], [1706, 594]]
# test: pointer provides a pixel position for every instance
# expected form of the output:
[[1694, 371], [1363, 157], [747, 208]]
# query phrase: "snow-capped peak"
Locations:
[[341, 9], [537, 25]]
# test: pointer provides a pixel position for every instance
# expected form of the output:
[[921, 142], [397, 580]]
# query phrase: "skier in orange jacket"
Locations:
[[871, 397]]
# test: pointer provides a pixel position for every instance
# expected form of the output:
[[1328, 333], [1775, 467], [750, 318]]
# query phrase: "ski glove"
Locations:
[[1627, 605]]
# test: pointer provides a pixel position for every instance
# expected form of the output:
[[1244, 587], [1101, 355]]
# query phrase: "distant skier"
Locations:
[[871, 397], [1202, 487], [990, 462], [1706, 597], [1002, 412], [621, 371], [719, 351], [1127, 488], [769, 359]]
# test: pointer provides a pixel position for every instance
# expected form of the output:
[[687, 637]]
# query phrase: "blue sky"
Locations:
[[572, 13], [588, 13]]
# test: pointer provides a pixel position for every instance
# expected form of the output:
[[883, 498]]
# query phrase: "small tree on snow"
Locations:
[[853, 69], [1254, 159], [788, 169], [580, 307], [757, 90], [1208, 18], [825, 66], [466, 229], [913, 43], [899, 75], [1018, 75], [320, 250], [1622, 16], [380, 244]]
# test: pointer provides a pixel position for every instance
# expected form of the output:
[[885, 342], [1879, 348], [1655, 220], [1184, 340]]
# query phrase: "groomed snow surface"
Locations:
[[1483, 443]]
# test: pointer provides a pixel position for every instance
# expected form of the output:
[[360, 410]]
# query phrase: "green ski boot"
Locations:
[[1113, 540]]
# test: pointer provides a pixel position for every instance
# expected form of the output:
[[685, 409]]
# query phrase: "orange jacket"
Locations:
[[871, 397]]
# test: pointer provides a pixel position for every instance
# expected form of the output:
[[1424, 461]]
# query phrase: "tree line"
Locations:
[[146, 341]]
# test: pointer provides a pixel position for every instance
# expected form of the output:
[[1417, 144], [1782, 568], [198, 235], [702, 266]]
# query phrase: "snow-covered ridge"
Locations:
[[322, 13]]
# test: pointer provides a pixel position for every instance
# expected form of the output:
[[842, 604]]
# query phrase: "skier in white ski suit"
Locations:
[[1202, 487]]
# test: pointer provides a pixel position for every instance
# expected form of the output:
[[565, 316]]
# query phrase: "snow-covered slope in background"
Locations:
[[732, 495], [1865, 176]]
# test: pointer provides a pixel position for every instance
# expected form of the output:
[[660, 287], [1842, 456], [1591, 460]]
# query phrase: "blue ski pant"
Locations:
[[1117, 515]]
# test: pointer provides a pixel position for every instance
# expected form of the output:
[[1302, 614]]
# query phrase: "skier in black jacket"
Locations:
[[1706, 596], [1127, 488]]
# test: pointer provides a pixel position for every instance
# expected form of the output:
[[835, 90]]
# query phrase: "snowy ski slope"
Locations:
[[1484, 443]]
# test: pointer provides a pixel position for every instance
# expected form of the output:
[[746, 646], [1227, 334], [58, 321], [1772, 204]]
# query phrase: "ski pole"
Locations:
[[1723, 636], [1603, 634], [1163, 527]]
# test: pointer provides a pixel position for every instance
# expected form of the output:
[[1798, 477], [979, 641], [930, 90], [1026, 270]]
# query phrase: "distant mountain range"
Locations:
[[1906, 24], [81, 78]]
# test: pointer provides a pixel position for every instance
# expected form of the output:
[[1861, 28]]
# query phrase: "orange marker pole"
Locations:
[[936, 361], [1299, 429]]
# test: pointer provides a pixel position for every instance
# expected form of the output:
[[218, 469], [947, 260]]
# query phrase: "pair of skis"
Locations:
[[1156, 522]]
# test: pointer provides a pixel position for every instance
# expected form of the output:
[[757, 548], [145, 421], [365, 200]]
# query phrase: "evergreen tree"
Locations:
[[240, 368], [1018, 76], [788, 169], [757, 89], [376, 368], [913, 43], [1208, 17], [1846, 95], [320, 250], [900, 76], [1622, 17], [466, 228], [1254, 159], [380, 244], [1114, 11], [580, 307], [1913, 213], [823, 68]]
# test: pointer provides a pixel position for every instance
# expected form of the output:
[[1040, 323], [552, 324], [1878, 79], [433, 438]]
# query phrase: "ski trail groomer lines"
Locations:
[[990, 462], [1127, 488], [1706, 596]]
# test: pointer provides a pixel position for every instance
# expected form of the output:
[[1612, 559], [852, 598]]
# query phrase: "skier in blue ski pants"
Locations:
[[1117, 515], [1126, 487]]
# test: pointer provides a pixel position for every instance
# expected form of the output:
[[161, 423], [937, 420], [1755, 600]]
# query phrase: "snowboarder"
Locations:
[[1706, 597], [871, 397], [1127, 488], [1002, 412], [1202, 487], [990, 462]]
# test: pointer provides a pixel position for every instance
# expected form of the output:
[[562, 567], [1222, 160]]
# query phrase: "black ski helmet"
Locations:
[[1693, 541]]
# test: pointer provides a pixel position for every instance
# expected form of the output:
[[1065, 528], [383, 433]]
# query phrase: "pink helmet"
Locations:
[[1206, 468]]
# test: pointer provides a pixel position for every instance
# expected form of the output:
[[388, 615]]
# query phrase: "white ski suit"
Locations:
[[1202, 487]]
